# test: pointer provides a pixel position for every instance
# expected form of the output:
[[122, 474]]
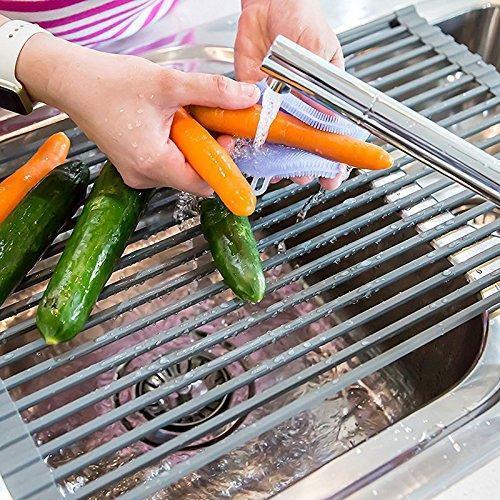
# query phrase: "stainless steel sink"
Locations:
[[410, 428], [478, 29], [454, 435]]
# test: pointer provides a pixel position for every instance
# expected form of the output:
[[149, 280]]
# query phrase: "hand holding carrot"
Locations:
[[125, 104]]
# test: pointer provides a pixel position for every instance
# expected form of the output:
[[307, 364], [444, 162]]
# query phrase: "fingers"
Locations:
[[338, 59], [138, 181], [331, 184], [335, 55], [227, 142], [216, 91], [302, 181], [176, 172], [247, 69], [169, 169], [328, 184]]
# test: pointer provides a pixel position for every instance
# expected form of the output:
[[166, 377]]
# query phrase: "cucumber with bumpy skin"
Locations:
[[108, 219], [234, 250], [32, 226]]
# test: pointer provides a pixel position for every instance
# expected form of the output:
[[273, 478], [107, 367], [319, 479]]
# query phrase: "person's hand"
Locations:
[[125, 105], [261, 21]]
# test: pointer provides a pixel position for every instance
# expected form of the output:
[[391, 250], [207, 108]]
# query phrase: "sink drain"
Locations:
[[188, 393]]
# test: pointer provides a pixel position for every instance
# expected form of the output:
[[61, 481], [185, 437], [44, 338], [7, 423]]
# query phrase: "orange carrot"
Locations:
[[14, 188], [290, 131], [212, 163]]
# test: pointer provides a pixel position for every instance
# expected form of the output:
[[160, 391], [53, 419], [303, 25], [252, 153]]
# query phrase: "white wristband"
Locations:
[[13, 36]]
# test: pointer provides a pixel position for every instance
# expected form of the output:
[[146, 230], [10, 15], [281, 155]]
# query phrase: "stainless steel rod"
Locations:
[[384, 117]]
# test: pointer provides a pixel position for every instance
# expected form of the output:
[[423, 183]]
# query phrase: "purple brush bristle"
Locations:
[[276, 161], [273, 160]]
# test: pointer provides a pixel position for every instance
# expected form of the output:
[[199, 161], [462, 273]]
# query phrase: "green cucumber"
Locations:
[[32, 226], [234, 250], [108, 219]]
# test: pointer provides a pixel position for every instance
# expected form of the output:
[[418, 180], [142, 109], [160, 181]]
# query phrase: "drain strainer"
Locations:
[[195, 389]]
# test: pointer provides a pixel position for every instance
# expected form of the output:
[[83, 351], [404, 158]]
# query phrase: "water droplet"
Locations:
[[140, 111]]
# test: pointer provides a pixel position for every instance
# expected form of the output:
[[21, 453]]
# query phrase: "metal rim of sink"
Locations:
[[382, 454], [473, 398]]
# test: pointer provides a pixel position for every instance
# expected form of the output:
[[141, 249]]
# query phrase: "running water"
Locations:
[[186, 211], [271, 103]]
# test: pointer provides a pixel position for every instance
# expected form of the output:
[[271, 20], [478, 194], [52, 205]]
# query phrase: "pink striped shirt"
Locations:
[[89, 22]]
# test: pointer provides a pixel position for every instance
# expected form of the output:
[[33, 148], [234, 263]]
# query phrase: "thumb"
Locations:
[[216, 91]]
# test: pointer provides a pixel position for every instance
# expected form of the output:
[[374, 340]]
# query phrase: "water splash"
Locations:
[[186, 211], [271, 103]]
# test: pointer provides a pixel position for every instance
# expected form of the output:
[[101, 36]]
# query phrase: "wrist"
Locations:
[[43, 67]]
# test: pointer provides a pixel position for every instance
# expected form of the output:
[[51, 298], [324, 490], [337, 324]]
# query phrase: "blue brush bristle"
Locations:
[[273, 160], [315, 118]]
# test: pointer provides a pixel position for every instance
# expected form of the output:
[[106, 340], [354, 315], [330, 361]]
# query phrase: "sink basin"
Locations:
[[478, 29], [382, 467], [398, 429]]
